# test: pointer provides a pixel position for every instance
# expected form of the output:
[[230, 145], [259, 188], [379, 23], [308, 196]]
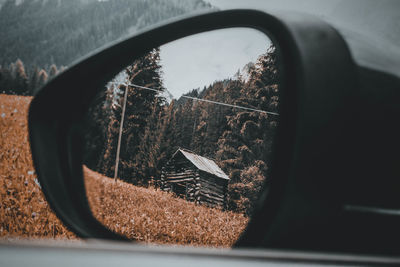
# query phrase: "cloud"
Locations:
[[199, 60]]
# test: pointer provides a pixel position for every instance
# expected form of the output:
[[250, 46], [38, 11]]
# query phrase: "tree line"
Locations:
[[16, 80], [36, 36], [239, 140]]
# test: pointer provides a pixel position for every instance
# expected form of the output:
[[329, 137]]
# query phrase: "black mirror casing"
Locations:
[[316, 113]]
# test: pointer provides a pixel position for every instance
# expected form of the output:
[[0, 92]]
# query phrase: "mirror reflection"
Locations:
[[178, 144]]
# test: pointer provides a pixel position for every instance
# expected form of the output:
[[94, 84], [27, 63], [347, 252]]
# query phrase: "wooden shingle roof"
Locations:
[[203, 164]]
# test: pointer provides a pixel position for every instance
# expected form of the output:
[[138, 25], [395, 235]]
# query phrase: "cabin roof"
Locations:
[[203, 164]]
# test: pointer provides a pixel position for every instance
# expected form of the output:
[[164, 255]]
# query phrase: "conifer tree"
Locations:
[[246, 145], [53, 71], [21, 79], [145, 72], [34, 81], [42, 78], [142, 106], [6, 81]]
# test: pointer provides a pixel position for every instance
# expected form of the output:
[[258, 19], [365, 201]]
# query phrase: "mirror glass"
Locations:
[[178, 145]]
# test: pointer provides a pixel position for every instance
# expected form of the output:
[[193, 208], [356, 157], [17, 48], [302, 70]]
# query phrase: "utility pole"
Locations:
[[121, 126]]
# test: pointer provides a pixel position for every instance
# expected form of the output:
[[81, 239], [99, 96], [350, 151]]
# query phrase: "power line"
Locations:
[[160, 91], [230, 105], [204, 100]]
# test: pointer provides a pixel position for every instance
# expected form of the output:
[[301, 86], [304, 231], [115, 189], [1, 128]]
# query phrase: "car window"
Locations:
[[213, 121], [38, 40]]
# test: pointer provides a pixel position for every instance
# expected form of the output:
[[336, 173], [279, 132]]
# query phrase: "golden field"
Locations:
[[154, 216], [24, 213], [144, 214]]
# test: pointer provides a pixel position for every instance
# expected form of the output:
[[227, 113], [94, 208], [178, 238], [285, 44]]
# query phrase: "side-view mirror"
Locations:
[[177, 145], [166, 114]]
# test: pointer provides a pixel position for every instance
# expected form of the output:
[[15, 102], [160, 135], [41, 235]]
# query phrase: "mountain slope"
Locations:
[[45, 32]]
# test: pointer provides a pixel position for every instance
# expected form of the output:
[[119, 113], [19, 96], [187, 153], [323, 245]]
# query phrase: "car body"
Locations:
[[306, 220]]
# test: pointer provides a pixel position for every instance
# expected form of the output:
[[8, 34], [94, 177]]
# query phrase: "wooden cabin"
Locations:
[[195, 178]]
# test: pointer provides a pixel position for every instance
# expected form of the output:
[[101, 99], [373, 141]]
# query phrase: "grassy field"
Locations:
[[24, 213], [145, 214], [154, 216]]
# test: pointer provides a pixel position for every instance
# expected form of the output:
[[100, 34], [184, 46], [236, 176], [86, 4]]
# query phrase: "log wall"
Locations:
[[212, 190], [181, 177]]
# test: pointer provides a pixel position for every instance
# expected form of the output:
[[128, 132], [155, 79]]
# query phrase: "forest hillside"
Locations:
[[38, 38], [240, 140]]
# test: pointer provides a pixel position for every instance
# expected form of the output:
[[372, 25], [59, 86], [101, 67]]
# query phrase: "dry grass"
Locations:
[[154, 216], [144, 214], [24, 213]]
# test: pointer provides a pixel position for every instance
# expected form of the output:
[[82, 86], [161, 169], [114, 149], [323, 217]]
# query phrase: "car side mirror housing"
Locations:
[[317, 95]]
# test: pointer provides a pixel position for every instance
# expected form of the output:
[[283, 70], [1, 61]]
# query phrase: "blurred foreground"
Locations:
[[24, 212]]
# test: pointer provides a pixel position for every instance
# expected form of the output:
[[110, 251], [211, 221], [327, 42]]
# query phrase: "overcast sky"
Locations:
[[199, 60]]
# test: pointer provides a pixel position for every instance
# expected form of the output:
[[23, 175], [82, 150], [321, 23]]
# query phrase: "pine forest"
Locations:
[[239, 140]]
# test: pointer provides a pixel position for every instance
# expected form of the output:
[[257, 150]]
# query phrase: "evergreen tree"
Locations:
[[34, 81], [21, 79], [246, 145], [145, 72], [53, 71], [6, 81], [96, 121], [142, 106], [15, 80], [43, 77]]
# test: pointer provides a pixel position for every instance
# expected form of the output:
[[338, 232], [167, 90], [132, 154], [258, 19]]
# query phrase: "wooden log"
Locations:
[[208, 183], [172, 171], [197, 176], [172, 174], [167, 176], [209, 200], [213, 189], [174, 168], [180, 180], [189, 178], [208, 204], [211, 193], [179, 175], [212, 197]]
